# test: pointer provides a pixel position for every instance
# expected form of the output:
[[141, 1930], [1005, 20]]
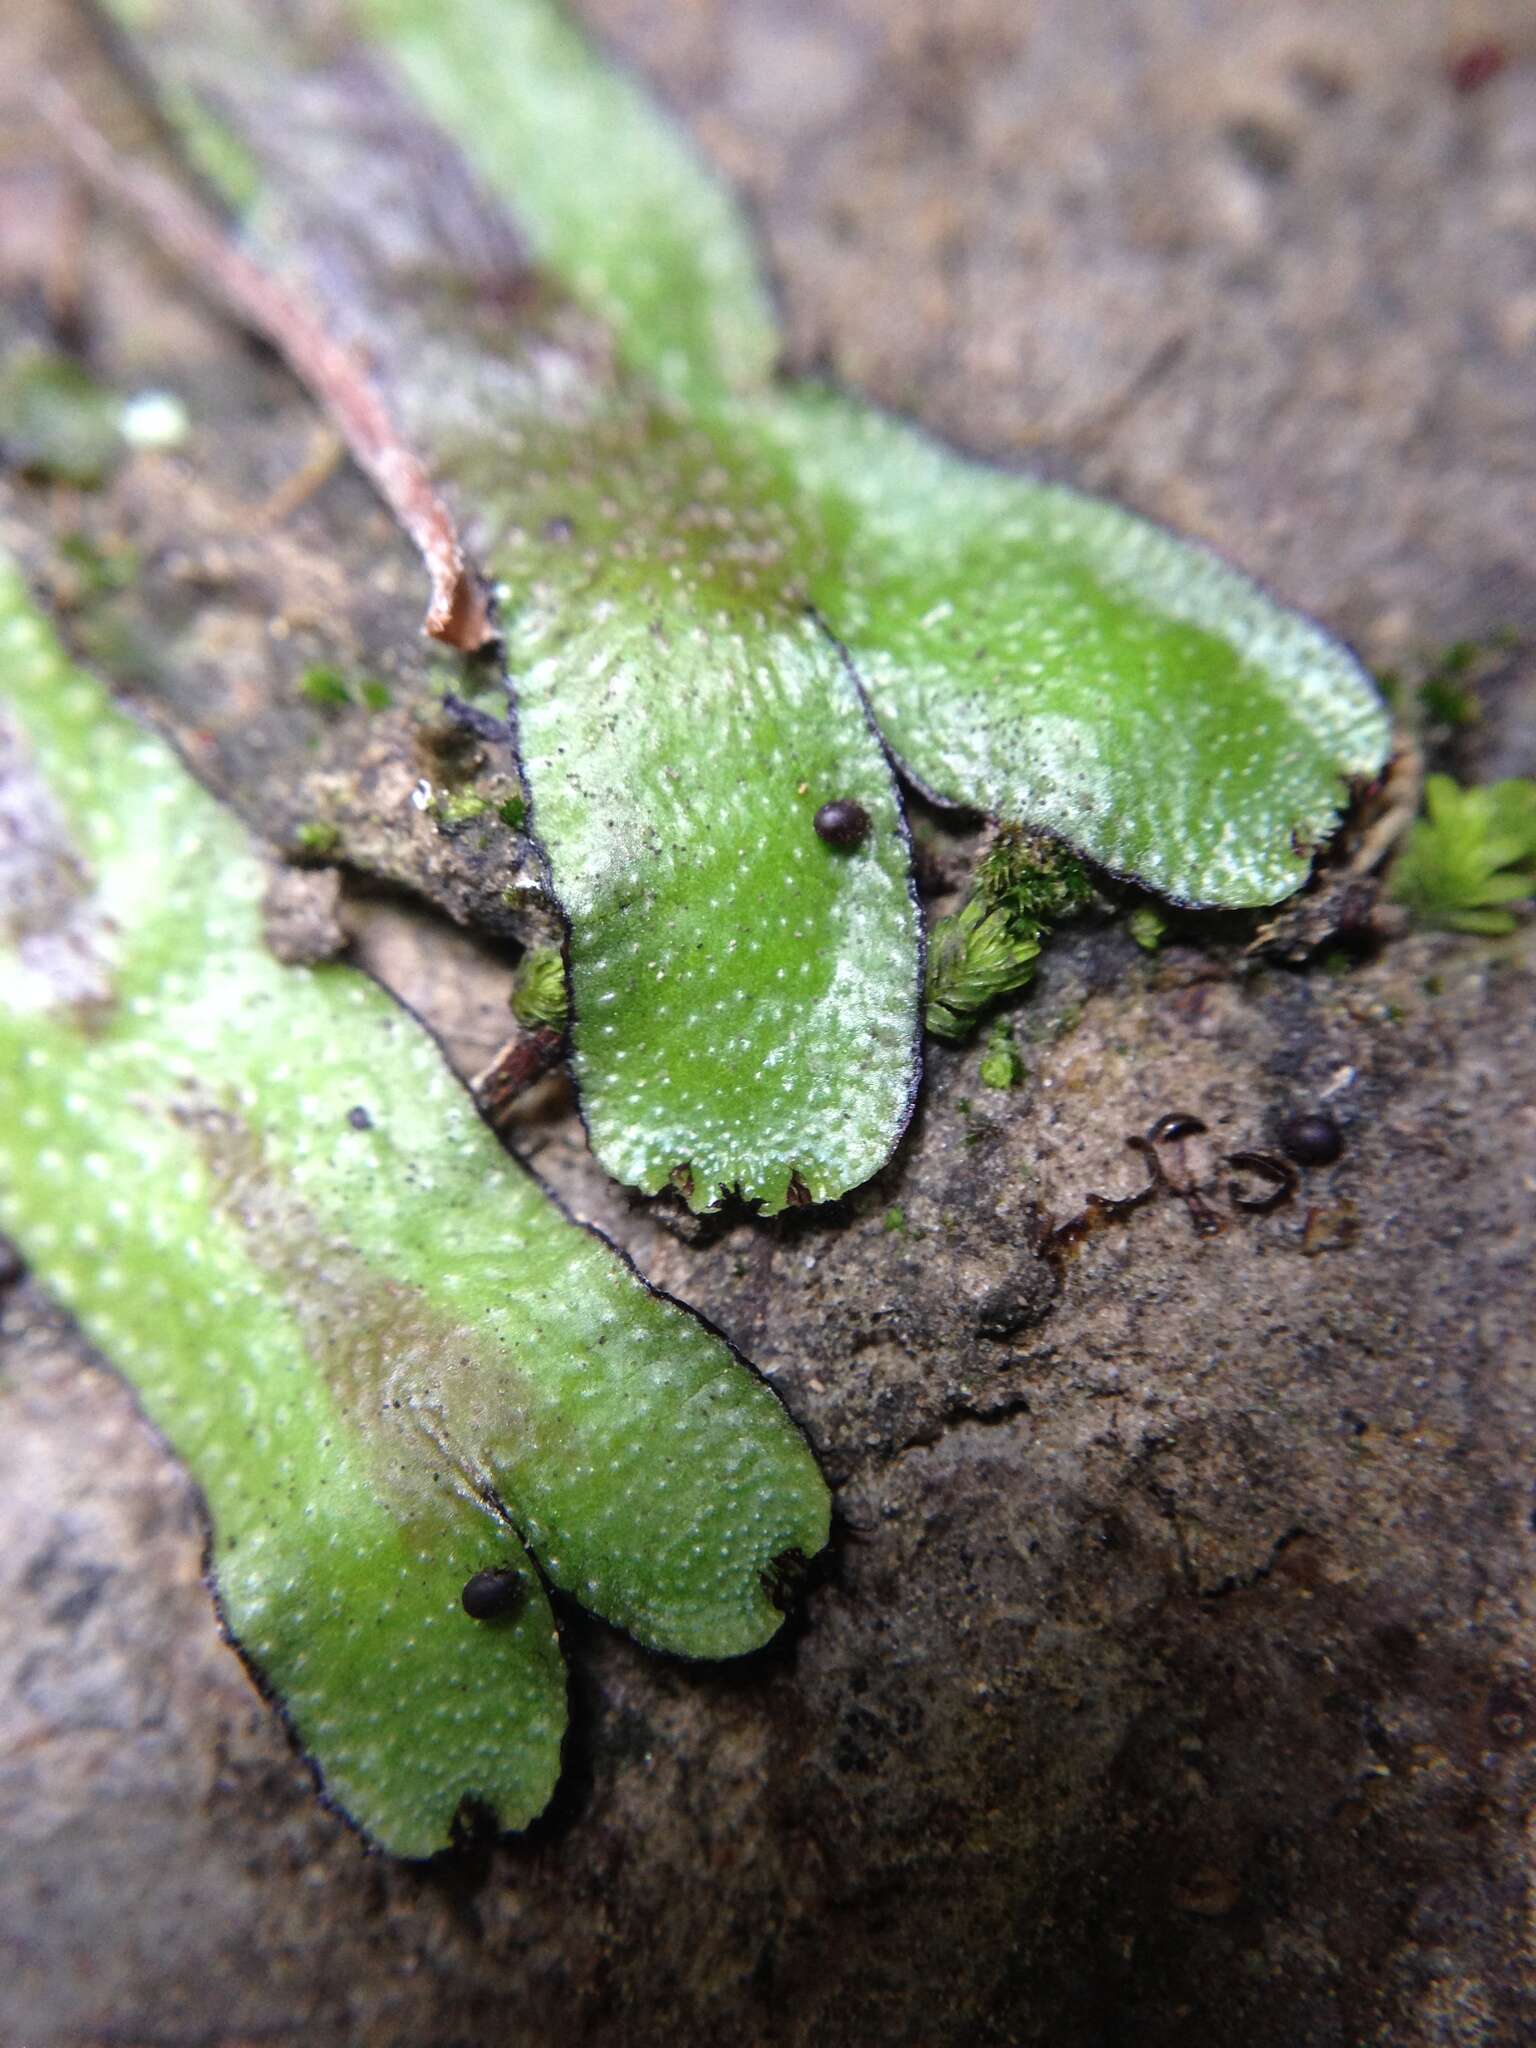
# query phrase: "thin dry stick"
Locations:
[[519, 1063], [198, 240]]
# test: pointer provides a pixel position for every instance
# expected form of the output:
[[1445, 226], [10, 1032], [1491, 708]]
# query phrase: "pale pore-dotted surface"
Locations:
[[744, 995], [1029, 651], [664, 517], [181, 1171], [1054, 660]]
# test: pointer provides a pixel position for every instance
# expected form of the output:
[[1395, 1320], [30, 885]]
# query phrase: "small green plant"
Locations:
[[1001, 1064], [987, 949], [325, 686], [1471, 858], [317, 837], [98, 571], [456, 808], [1448, 694], [732, 603], [1147, 926], [538, 989], [56, 421], [1445, 699]]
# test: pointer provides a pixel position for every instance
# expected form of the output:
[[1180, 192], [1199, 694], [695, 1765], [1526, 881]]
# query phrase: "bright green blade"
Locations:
[[1058, 662], [382, 1351], [613, 197], [744, 995]]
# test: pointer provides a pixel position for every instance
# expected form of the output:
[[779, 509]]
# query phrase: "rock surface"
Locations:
[[1170, 1680]]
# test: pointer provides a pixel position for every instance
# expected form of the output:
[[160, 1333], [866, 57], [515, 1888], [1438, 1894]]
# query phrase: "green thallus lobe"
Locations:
[[386, 1357], [712, 574]]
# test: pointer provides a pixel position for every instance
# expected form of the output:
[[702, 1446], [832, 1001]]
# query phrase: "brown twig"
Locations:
[[519, 1063], [196, 239], [1099, 1209]]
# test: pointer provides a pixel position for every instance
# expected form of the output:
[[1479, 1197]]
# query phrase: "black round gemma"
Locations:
[[1311, 1138], [489, 1595], [842, 822]]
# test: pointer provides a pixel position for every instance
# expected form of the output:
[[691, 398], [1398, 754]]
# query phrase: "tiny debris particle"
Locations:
[[1210, 1892], [1469, 70], [154, 420], [1280, 1182], [842, 822], [493, 1594], [1334, 1229], [301, 916], [1311, 1138]]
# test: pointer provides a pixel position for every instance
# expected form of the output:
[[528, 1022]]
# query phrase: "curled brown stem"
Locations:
[[194, 236]]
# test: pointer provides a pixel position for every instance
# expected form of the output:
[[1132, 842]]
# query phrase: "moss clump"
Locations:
[[333, 691], [538, 990], [455, 809], [1471, 858], [1448, 695], [317, 838], [95, 570], [56, 422], [1001, 1064], [1023, 884], [325, 686]]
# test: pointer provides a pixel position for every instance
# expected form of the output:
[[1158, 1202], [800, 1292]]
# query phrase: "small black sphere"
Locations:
[[489, 1595], [1311, 1138], [842, 822]]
